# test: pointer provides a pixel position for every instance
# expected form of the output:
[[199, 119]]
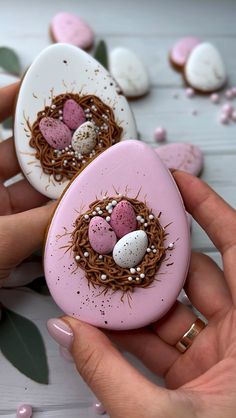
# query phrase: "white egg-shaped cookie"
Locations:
[[205, 69], [63, 74], [129, 72]]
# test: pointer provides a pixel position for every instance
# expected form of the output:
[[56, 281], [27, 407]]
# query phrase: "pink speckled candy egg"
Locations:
[[71, 29], [56, 133], [160, 134], [123, 219], [133, 170], [73, 114], [181, 156], [102, 238], [181, 50]]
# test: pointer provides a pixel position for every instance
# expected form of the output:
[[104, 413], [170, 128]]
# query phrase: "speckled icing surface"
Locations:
[[127, 168], [62, 69]]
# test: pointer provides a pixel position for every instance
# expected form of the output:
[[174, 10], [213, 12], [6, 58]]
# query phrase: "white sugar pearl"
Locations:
[[100, 212], [110, 211], [60, 111], [152, 246], [77, 257], [100, 257], [60, 118], [151, 216], [171, 245], [86, 254], [103, 276], [137, 279], [53, 161], [142, 221], [142, 275], [132, 270], [138, 269], [94, 213], [86, 216], [145, 225], [108, 218], [114, 202], [139, 218], [98, 208], [154, 251], [53, 106], [148, 250], [130, 279]]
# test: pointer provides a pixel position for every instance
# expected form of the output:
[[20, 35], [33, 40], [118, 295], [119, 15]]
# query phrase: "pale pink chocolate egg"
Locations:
[[71, 29], [123, 219], [181, 50], [102, 238], [24, 411], [73, 114], [160, 134], [56, 133]]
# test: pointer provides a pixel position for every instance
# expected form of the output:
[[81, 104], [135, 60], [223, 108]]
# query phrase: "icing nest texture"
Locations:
[[64, 164], [101, 269]]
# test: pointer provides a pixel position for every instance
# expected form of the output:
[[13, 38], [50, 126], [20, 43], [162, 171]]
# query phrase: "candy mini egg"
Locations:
[[111, 282], [123, 219], [67, 85], [84, 138]]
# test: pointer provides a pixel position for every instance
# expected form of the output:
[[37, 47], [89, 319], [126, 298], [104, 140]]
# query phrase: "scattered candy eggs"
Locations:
[[71, 29], [129, 72], [73, 114], [205, 70], [160, 134], [181, 156], [99, 408], [123, 219], [181, 50], [102, 238], [189, 92], [227, 109], [61, 69], [56, 133], [24, 411], [130, 250], [84, 138], [130, 169], [215, 98]]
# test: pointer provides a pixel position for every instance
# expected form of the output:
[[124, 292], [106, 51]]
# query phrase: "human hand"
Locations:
[[200, 382], [23, 219]]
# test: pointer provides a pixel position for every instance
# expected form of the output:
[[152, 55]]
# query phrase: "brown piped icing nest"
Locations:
[[102, 270], [65, 164]]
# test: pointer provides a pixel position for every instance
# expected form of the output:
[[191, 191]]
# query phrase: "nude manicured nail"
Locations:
[[60, 332]]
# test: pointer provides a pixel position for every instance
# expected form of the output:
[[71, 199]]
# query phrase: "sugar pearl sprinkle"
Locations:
[[77, 257], [171, 246], [86, 217], [160, 134], [108, 218], [86, 254], [103, 277]]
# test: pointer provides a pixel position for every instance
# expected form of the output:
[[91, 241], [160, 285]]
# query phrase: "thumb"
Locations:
[[21, 234], [119, 386]]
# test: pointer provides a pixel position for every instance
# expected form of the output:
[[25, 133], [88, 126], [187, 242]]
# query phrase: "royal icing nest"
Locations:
[[71, 132], [128, 232]]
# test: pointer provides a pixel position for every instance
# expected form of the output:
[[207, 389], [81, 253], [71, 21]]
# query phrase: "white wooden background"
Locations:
[[148, 27]]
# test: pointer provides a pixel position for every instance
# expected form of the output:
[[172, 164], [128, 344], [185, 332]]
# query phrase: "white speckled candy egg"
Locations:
[[62, 69], [205, 70], [130, 250], [84, 138]]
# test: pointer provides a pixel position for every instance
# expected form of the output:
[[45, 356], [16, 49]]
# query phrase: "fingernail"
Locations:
[[66, 354], [60, 332]]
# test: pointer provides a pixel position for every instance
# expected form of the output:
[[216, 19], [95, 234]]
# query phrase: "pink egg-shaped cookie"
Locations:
[[182, 49], [56, 133], [93, 287], [102, 238], [181, 156], [71, 29], [123, 219], [73, 114]]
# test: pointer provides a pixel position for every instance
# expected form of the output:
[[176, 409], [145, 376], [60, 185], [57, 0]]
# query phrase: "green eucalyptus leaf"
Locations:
[[39, 285], [8, 123], [9, 60], [101, 54], [22, 345]]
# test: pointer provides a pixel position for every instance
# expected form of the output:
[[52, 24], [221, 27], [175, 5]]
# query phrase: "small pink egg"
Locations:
[[160, 134], [102, 238], [24, 411], [229, 94], [55, 132], [224, 119], [189, 92], [215, 98], [73, 114], [233, 116], [227, 109], [123, 219]]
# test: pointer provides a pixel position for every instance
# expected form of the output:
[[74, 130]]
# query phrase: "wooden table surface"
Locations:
[[150, 28]]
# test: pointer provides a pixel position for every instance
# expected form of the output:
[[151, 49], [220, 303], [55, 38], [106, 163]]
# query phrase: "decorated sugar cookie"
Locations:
[[205, 70], [117, 248], [181, 50], [71, 29], [182, 156], [68, 112]]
